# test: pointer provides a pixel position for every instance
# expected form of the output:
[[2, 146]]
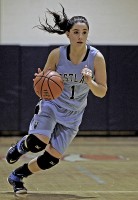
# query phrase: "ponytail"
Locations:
[[61, 22]]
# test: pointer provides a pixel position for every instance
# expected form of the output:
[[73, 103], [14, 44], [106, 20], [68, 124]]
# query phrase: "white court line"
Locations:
[[115, 191], [87, 173], [76, 192]]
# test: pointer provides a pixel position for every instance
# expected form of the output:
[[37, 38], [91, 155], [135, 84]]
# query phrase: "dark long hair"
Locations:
[[62, 22]]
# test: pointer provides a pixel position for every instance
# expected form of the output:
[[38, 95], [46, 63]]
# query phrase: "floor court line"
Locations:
[[87, 173], [74, 192]]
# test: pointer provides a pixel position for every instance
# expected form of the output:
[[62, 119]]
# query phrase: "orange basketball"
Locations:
[[48, 85]]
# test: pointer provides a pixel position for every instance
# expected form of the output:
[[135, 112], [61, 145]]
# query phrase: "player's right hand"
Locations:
[[39, 71]]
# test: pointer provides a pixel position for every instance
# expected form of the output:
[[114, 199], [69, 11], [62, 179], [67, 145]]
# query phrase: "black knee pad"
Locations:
[[46, 161], [34, 144]]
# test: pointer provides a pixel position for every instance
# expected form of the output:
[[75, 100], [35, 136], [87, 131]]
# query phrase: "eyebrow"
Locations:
[[78, 29]]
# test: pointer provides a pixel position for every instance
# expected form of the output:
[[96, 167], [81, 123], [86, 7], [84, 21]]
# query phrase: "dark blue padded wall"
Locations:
[[123, 88], [9, 87], [117, 111]]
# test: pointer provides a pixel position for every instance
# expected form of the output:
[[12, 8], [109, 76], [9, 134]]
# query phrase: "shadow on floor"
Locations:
[[42, 196]]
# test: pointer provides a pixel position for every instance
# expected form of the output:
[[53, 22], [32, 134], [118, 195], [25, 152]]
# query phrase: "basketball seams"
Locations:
[[53, 75], [56, 82], [50, 88], [39, 79], [41, 76], [50, 83], [41, 91]]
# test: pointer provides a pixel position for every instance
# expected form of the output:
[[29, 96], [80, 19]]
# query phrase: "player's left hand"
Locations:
[[87, 73]]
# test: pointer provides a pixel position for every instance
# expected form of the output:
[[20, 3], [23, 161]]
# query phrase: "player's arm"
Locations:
[[52, 60], [98, 86]]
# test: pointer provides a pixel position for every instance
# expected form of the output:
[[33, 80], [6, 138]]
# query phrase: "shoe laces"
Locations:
[[13, 146]]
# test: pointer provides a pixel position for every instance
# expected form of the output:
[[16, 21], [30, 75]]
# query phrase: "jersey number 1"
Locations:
[[72, 94]]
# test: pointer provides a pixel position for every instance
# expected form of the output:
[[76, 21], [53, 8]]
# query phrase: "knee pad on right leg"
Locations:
[[34, 144]]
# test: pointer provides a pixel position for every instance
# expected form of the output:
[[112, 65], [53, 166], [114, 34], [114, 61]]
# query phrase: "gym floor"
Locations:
[[100, 168]]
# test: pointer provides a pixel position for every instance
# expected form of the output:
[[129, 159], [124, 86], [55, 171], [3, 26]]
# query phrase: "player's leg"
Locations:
[[44, 123], [60, 140], [42, 162]]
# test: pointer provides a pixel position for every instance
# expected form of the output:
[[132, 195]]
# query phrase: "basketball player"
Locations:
[[56, 122]]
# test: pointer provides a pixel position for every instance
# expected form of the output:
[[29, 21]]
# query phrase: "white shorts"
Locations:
[[58, 124]]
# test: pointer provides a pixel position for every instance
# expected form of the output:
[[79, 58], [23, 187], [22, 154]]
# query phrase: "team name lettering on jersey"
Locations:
[[72, 78]]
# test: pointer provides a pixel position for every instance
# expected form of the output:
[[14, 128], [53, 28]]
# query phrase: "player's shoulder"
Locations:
[[99, 59], [98, 54], [55, 52], [92, 48], [54, 55]]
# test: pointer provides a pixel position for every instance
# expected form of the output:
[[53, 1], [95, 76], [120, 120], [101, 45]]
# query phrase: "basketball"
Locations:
[[48, 85]]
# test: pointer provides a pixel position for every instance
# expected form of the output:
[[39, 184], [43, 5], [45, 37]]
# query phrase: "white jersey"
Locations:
[[74, 95]]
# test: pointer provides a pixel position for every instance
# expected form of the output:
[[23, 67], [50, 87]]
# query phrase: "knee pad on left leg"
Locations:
[[47, 161]]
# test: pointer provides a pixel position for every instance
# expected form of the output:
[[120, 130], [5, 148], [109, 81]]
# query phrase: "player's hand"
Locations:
[[39, 71], [87, 73], [36, 74]]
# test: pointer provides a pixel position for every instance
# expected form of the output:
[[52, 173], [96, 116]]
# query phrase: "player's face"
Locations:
[[78, 34]]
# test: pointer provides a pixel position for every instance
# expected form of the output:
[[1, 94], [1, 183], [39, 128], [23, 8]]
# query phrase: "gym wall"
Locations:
[[112, 22], [118, 110]]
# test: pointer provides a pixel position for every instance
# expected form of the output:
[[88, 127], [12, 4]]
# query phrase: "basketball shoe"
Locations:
[[16, 151], [16, 181]]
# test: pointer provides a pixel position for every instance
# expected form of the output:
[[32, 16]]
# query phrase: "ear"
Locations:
[[67, 33]]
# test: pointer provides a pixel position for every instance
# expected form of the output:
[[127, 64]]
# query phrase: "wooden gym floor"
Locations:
[[100, 168]]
